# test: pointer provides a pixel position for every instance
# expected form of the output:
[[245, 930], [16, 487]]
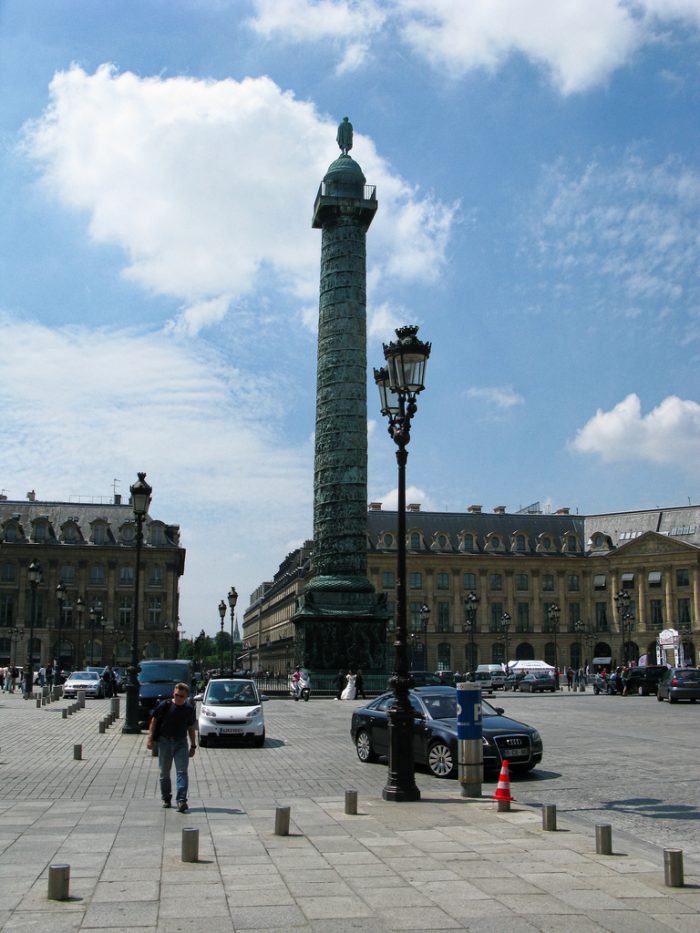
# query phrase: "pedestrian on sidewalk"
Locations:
[[172, 722], [340, 682], [360, 685]]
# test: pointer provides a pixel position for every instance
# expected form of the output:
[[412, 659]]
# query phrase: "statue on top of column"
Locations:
[[344, 137]]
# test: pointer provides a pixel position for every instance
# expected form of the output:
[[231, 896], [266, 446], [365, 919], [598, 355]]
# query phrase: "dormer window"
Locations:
[[155, 535], [99, 533], [70, 533], [414, 541], [40, 531]]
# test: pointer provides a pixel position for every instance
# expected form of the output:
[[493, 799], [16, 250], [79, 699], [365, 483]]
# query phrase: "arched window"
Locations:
[[414, 541], [524, 652]]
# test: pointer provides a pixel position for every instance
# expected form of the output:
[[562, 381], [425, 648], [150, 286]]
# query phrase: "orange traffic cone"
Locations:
[[503, 795]]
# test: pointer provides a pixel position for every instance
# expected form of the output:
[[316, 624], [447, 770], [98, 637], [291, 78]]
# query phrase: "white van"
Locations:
[[492, 672]]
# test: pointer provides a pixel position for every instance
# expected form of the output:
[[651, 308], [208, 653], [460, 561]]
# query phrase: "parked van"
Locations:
[[492, 672], [156, 682]]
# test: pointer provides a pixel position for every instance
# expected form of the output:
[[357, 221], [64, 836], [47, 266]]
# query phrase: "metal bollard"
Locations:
[[549, 817], [673, 868], [78, 752], [101, 726], [603, 839], [38, 702], [114, 706], [351, 802], [64, 714], [190, 845], [81, 699], [59, 882], [282, 821]]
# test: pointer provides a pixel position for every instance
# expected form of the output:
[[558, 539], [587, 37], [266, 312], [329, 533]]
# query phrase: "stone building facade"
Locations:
[[509, 586], [89, 549]]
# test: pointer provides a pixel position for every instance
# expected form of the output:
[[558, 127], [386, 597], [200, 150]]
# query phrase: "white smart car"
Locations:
[[231, 709]]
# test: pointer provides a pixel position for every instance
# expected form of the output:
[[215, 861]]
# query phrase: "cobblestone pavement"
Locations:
[[441, 863]]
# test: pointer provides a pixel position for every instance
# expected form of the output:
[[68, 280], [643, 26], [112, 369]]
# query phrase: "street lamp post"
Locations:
[[232, 600], [399, 383], [18, 633], [140, 501], [222, 615], [80, 609], [60, 598], [471, 601], [579, 628], [553, 615], [96, 618], [505, 629], [34, 577], [424, 620], [622, 601]]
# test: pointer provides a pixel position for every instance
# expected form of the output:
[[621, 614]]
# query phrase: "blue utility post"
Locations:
[[470, 750]]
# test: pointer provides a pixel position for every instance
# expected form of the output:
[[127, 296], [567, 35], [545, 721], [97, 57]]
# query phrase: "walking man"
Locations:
[[171, 724]]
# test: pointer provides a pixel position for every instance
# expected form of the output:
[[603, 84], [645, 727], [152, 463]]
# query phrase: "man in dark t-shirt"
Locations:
[[171, 724]]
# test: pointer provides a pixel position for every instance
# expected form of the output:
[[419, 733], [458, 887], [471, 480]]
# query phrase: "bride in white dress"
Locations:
[[350, 690]]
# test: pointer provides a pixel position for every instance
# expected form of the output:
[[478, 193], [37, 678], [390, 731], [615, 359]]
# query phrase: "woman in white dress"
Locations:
[[350, 690]]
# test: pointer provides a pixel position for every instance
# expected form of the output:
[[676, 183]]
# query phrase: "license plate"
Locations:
[[230, 730], [515, 753]]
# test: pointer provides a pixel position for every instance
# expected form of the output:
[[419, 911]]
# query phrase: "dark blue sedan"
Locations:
[[435, 733]]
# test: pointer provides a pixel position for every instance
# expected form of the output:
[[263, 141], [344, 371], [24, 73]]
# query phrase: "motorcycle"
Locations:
[[301, 689]]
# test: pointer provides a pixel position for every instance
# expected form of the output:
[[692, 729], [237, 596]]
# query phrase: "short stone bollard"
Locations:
[[673, 868], [351, 802], [64, 714], [81, 699], [603, 839], [59, 882], [78, 752], [114, 707], [190, 844], [549, 817], [102, 726], [38, 702], [282, 821]]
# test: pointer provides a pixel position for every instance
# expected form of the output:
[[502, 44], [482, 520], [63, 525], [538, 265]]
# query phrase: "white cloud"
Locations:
[[207, 186], [414, 494], [623, 234], [669, 434], [577, 43], [502, 398], [105, 403]]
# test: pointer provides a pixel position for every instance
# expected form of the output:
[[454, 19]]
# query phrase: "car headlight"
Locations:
[[208, 713], [253, 713], [536, 736], [485, 740]]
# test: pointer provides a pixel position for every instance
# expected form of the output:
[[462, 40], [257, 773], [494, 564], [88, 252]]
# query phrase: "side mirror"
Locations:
[[499, 710], [198, 696], [263, 697]]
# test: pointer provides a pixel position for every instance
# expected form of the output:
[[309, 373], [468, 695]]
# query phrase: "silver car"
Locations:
[[89, 681]]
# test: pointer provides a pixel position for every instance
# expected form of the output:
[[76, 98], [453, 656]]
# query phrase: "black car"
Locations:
[[512, 681], [679, 683], [644, 680], [537, 682], [425, 679], [435, 733]]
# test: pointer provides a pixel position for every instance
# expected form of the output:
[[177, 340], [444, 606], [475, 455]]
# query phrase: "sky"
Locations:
[[537, 165]]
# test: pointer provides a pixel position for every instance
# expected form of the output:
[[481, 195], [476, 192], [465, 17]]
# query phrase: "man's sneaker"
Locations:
[[182, 806], [166, 805]]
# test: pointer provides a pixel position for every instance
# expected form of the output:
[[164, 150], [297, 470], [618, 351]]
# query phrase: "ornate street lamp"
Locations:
[[424, 620], [622, 601], [232, 600], [471, 602], [505, 630], [553, 616], [399, 383], [222, 616], [60, 598], [580, 628], [140, 502], [80, 609], [96, 618], [18, 634], [34, 577]]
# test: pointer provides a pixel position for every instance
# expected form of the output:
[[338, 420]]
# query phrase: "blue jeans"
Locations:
[[176, 750]]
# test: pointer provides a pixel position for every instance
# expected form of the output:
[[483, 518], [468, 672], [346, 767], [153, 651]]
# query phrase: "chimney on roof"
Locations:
[[474, 508], [31, 496], [413, 507], [375, 507], [562, 511], [499, 509]]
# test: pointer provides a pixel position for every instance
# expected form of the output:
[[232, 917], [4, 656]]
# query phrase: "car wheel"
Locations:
[[440, 760], [259, 740], [672, 699], [641, 691], [659, 698], [204, 741], [363, 746]]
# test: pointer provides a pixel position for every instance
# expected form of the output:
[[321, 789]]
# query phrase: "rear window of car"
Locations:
[[688, 676]]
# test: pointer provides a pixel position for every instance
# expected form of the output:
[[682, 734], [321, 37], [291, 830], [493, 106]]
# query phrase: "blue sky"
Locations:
[[537, 165]]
